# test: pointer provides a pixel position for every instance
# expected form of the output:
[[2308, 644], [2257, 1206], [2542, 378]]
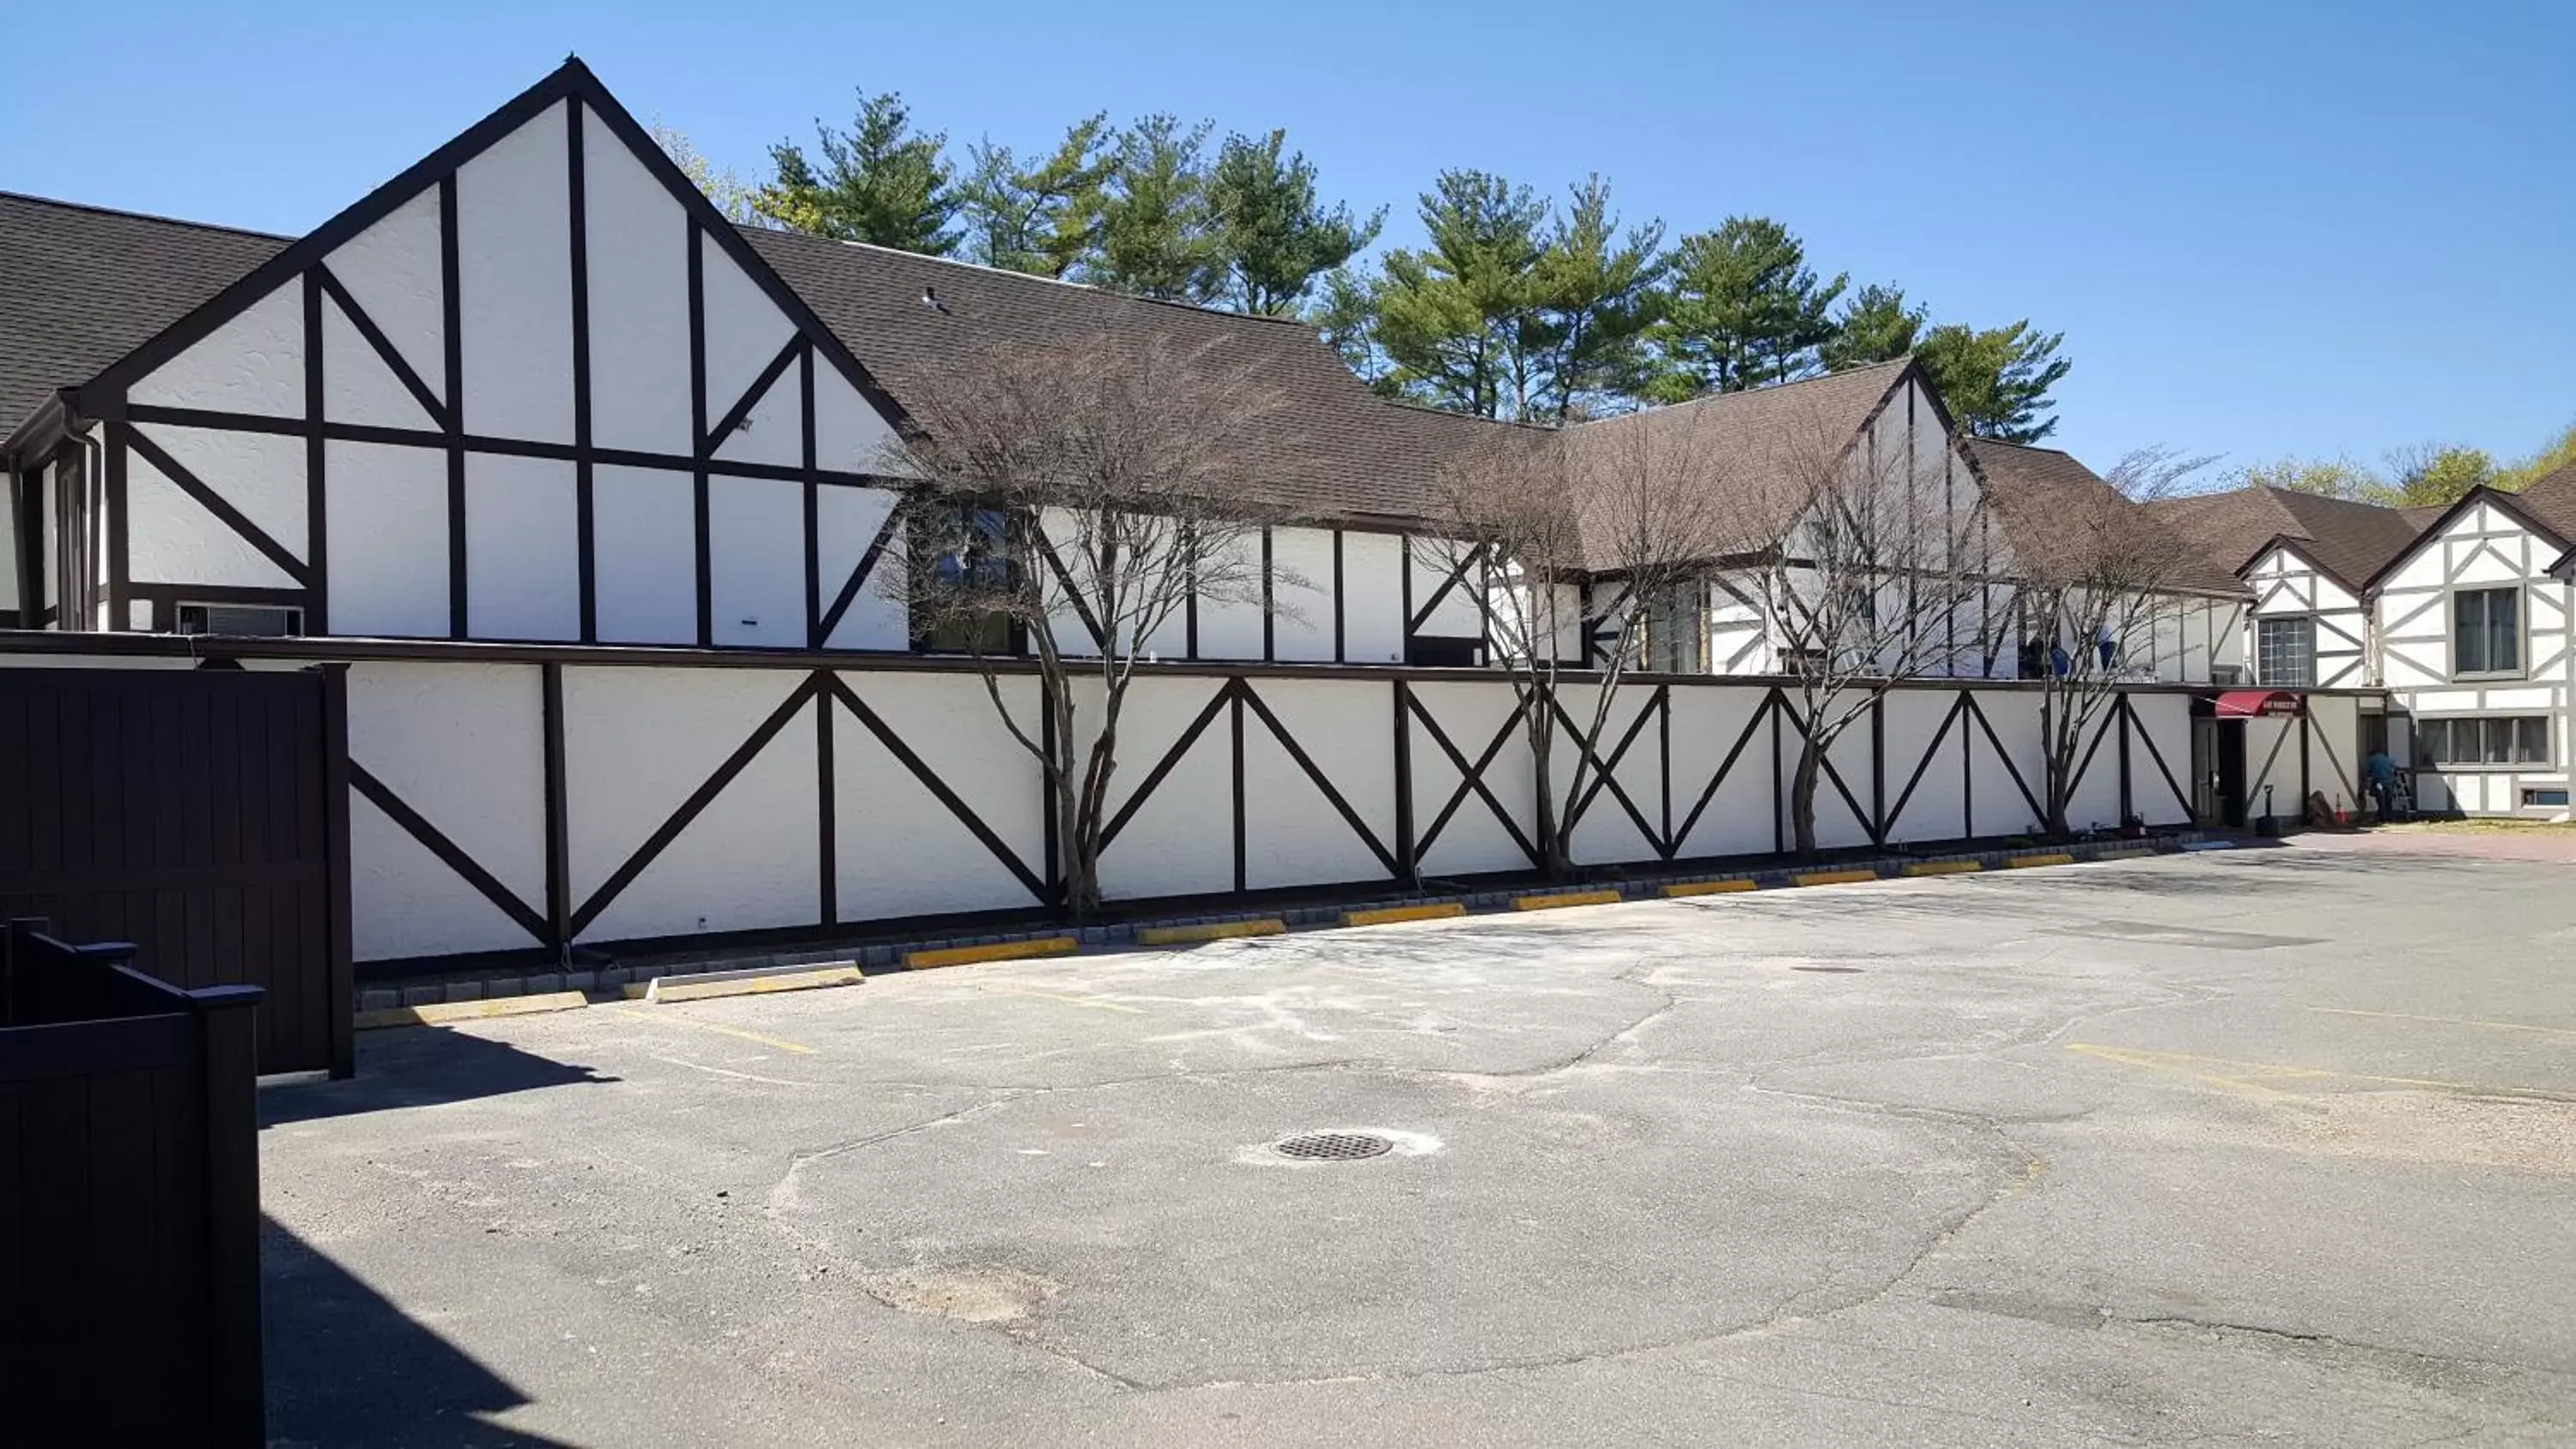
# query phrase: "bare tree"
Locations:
[[1067, 501], [1869, 571], [2096, 580], [1578, 541]]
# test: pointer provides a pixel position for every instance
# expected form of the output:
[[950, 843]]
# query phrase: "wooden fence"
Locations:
[[201, 814], [129, 1202]]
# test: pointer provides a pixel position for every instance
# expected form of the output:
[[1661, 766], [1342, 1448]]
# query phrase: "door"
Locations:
[[2229, 777], [2204, 771], [199, 814]]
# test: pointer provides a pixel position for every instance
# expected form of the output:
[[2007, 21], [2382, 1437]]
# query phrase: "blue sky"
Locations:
[[2265, 228]]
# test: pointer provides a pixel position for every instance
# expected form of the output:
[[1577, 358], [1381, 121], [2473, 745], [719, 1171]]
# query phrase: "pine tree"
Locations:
[[1996, 382], [1042, 219], [1346, 314], [1157, 238], [880, 182], [1273, 233], [1874, 325], [1450, 314], [1745, 310], [1583, 349]]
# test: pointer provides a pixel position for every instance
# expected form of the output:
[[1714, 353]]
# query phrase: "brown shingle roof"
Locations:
[[1356, 454], [2551, 500], [1764, 440], [80, 287], [2350, 540], [2035, 492]]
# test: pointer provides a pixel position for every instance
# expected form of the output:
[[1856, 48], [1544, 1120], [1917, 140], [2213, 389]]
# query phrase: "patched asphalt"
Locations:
[[2270, 1146]]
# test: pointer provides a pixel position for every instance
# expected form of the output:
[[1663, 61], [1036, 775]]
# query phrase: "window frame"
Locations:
[[2520, 635], [2485, 727], [2262, 675], [1012, 641]]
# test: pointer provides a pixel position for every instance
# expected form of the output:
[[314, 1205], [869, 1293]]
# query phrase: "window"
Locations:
[[2486, 631], [970, 553], [2286, 653], [2545, 797], [245, 620], [1676, 629], [2503, 740]]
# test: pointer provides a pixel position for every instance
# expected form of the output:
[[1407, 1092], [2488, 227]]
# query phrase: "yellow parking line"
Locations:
[[671, 1018], [999, 951], [1566, 898], [1834, 877], [1389, 915], [1707, 888], [2017, 862], [1944, 867], [2447, 1020], [1213, 931]]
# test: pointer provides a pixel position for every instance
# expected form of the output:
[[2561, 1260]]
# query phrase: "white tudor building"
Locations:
[[573, 494], [536, 390], [2461, 614]]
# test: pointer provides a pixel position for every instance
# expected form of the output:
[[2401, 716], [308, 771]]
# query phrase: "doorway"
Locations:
[[2218, 771]]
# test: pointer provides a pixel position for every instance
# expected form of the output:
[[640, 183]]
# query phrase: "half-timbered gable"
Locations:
[[2310, 628], [532, 389], [2473, 634]]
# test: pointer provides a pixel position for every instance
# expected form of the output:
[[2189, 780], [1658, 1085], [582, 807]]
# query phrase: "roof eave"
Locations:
[[41, 432]]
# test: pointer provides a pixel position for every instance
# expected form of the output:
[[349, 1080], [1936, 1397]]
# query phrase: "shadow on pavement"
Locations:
[[420, 1066], [347, 1367]]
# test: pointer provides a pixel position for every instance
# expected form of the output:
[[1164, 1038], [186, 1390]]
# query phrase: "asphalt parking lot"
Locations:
[[2269, 1147]]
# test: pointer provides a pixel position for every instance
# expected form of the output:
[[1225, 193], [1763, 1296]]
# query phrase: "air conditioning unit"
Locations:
[[2230, 675], [260, 621]]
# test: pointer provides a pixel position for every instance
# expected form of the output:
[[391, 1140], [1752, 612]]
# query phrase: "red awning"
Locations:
[[2260, 703]]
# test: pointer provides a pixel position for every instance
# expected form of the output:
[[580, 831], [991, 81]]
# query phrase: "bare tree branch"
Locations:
[[1068, 501]]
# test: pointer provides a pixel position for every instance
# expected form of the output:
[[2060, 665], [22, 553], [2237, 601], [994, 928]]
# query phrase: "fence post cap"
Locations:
[[218, 998]]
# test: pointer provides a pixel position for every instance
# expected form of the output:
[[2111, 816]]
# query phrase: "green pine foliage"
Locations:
[[1043, 218], [1450, 314], [1744, 310], [1512, 305], [881, 182], [1996, 381], [1874, 325], [1274, 234]]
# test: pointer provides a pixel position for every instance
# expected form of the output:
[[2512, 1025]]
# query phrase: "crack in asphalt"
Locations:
[[2019, 1172]]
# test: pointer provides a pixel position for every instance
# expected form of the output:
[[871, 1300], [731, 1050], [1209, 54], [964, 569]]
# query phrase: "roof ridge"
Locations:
[[1409, 405], [152, 216], [751, 229], [1764, 390]]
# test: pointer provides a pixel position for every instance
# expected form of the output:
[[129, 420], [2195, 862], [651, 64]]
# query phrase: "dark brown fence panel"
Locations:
[[189, 812], [129, 1203]]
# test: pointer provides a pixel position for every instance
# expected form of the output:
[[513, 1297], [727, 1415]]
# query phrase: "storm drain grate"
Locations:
[[1831, 970], [1331, 1146]]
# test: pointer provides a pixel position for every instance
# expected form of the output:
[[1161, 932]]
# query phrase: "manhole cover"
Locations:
[[1831, 970], [1331, 1146]]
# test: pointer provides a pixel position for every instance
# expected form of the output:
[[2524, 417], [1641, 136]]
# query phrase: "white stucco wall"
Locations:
[[388, 539], [253, 363], [522, 542], [1372, 597], [172, 538], [644, 521], [514, 280], [636, 251], [756, 561], [847, 520]]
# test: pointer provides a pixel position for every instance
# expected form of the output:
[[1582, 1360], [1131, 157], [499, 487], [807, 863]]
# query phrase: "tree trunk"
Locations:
[[1802, 798], [1549, 835], [1078, 853]]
